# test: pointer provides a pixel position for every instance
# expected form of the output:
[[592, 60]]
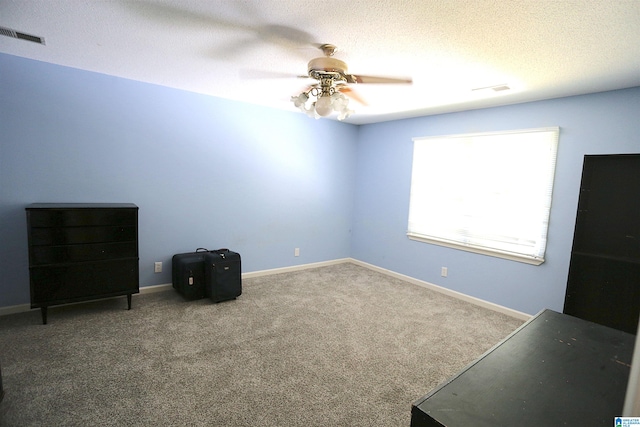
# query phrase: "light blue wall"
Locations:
[[216, 173], [204, 171], [602, 123]]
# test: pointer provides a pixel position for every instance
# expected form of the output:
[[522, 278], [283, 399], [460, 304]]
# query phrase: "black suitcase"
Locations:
[[188, 274], [223, 275]]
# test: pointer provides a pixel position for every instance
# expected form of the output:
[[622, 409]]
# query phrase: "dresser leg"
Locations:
[[128, 301], [43, 310], [1, 389]]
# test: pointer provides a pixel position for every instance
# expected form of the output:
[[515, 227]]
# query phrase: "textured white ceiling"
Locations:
[[252, 50]]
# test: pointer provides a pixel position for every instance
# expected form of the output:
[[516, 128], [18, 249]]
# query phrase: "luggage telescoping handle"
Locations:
[[222, 252]]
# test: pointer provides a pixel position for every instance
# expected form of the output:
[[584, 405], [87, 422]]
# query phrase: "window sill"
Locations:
[[478, 250]]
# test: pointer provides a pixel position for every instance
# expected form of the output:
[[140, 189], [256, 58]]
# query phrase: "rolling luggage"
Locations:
[[188, 274], [223, 275]]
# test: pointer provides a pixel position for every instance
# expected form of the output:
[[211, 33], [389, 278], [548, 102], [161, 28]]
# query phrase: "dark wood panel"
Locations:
[[78, 217], [80, 281], [604, 291], [604, 275], [80, 235], [608, 219], [42, 255], [556, 370]]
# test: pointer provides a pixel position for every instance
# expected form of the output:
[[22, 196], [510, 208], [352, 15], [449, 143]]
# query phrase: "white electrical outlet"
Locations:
[[157, 267], [444, 271], [296, 252]]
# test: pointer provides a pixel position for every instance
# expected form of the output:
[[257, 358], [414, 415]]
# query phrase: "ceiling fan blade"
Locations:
[[353, 78], [352, 94], [284, 36]]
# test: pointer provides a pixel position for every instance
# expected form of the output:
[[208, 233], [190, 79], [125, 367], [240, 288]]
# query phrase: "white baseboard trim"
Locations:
[[169, 286], [155, 288], [13, 309], [294, 268], [464, 297], [477, 301], [21, 308]]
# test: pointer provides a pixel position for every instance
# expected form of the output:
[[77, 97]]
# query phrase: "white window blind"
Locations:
[[488, 193]]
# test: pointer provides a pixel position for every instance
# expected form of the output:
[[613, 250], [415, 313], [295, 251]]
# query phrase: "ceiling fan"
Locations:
[[333, 80]]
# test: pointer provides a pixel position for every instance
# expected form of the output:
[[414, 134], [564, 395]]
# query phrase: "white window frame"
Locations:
[[471, 191]]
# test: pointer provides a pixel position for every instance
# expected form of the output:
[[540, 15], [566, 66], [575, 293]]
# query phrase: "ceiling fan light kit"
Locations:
[[328, 95], [321, 101]]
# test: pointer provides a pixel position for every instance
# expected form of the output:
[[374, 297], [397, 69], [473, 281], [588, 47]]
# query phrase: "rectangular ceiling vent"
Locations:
[[495, 88], [22, 36]]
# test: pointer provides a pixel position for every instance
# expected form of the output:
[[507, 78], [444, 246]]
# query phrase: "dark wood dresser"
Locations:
[[81, 251]]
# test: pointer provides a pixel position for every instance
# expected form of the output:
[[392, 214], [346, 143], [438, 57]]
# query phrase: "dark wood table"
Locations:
[[555, 370]]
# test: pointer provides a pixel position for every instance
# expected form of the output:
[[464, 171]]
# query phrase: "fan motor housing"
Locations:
[[325, 65]]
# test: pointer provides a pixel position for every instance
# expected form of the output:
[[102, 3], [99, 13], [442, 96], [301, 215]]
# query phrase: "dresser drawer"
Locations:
[[40, 255], [73, 282], [81, 217], [81, 235]]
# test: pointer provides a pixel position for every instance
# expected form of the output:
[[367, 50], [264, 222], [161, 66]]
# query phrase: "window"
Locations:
[[488, 193]]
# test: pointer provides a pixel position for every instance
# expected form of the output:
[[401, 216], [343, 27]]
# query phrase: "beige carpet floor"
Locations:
[[340, 345]]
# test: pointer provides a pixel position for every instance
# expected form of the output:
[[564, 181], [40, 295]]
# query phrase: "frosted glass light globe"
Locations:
[[323, 106], [300, 100]]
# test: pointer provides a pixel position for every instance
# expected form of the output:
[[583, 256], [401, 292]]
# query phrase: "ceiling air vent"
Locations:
[[22, 36], [495, 88]]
